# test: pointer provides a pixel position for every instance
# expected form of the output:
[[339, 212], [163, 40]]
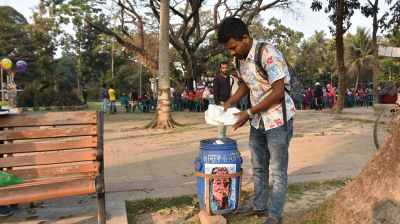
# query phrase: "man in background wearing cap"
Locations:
[[318, 96]]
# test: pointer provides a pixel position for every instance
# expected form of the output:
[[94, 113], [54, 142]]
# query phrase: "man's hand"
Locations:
[[227, 105], [243, 118]]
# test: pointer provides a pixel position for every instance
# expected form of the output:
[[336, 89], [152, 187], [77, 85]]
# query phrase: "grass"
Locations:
[[315, 215], [151, 205], [295, 193]]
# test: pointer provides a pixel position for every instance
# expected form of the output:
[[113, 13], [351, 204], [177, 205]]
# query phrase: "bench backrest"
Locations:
[[52, 144]]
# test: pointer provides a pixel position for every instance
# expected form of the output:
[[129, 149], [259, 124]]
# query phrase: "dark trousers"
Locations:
[[318, 103]]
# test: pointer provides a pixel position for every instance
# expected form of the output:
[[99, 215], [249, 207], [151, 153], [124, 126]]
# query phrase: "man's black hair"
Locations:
[[104, 85], [232, 28], [111, 85], [223, 63]]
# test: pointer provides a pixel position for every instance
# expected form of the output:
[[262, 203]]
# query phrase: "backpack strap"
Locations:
[[258, 59]]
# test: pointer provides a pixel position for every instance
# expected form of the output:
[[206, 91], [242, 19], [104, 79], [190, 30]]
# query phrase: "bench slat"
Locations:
[[48, 119], [40, 192], [56, 171], [88, 142], [54, 158], [47, 133]]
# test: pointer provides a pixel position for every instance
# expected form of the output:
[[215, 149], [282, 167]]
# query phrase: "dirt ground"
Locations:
[[353, 122], [143, 163], [306, 123]]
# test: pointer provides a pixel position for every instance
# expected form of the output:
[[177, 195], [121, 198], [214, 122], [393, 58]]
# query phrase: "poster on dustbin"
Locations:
[[222, 191]]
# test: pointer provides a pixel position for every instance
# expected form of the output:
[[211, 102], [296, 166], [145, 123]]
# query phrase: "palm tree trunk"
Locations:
[[340, 58], [357, 78]]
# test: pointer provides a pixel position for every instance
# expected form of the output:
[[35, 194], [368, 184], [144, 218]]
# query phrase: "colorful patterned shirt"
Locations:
[[274, 63]]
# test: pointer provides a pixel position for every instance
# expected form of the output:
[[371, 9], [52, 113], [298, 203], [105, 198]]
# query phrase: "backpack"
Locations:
[[263, 72]]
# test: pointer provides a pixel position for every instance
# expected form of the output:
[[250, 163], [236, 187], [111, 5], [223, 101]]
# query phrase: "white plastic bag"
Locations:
[[216, 116]]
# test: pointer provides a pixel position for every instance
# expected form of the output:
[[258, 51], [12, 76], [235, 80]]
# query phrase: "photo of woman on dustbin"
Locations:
[[220, 191]]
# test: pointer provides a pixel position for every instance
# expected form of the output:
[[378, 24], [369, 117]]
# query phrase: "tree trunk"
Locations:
[[163, 117], [357, 78], [375, 48], [190, 64], [340, 58], [374, 196]]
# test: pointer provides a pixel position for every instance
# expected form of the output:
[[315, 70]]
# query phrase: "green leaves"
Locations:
[[331, 10]]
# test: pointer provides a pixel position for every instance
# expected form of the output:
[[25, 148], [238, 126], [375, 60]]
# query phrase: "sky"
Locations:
[[307, 21]]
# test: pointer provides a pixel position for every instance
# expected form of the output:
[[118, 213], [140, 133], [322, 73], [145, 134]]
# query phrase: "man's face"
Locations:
[[235, 73], [238, 48], [224, 68]]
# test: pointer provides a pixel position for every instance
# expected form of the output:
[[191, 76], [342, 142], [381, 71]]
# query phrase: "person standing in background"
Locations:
[[204, 96], [104, 97], [112, 94], [84, 96], [222, 91], [235, 84], [318, 96]]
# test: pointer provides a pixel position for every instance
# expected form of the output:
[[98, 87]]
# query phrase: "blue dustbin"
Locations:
[[219, 175]]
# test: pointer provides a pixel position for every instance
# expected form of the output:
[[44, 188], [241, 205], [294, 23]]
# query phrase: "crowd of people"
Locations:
[[131, 103], [326, 96], [216, 90]]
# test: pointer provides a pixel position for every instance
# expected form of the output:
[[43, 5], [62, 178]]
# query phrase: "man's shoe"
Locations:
[[5, 211], [252, 212], [273, 220]]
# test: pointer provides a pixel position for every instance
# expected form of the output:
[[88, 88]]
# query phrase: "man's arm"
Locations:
[[276, 95], [240, 92]]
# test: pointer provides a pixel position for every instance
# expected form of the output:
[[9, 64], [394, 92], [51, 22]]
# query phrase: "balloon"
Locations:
[[6, 63], [20, 66]]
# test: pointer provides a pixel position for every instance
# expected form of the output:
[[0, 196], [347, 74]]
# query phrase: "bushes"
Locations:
[[26, 97], [64, 98], [31, 97]]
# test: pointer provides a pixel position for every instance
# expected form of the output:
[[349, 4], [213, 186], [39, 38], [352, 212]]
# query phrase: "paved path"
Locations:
[[138, 170]]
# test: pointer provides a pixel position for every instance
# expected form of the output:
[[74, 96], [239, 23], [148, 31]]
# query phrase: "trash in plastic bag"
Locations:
[[218, 142], [7, 179], [216, 116]]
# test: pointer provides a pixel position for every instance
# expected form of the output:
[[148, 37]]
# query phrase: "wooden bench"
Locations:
[[60, 154]]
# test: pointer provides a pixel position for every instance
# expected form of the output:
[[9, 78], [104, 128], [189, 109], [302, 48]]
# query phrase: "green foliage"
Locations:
[[65, 98], [393, 37], [3, 103], [44, 32], [389, 71], [33, 96], [317, 60], [15, 42], [12, 25], [391, 18], [282, 37], [93, 50], [26, 98], [331, 10], [359, 57]]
